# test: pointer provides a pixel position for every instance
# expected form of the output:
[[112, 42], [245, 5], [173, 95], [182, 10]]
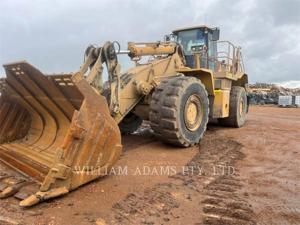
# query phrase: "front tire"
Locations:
[[179, 111]]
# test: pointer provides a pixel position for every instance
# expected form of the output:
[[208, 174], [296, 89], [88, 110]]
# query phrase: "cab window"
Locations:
[[190, 39]]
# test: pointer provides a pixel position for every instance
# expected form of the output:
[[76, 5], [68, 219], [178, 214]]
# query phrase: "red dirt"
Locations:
[[264, 188]]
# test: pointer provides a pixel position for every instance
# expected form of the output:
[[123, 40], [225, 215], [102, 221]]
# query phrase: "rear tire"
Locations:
[[237, 108], [179, 111]]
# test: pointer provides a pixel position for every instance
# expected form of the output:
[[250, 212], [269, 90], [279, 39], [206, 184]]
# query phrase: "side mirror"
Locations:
[[216, 34], [167, 38], [170, 37]]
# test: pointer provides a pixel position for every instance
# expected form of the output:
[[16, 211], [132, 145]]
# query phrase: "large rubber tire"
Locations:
[[130, 124], [169, 106], [237, 108]]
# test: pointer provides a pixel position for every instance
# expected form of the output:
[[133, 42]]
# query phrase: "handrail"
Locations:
[[231, 54]]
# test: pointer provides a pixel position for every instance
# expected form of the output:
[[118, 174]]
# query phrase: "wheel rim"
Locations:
[[193, 113]]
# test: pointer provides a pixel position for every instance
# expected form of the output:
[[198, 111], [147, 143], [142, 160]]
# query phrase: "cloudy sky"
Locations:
[[53, 34]]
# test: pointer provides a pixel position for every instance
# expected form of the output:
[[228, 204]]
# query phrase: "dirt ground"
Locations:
[[235, 176]]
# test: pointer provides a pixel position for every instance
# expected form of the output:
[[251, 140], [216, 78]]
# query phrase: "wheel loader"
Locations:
[[63, 131]]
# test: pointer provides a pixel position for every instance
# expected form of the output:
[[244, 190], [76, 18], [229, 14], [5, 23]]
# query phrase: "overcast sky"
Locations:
[[53, 34]]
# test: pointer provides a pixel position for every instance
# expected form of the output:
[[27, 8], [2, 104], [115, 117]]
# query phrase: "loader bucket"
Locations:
[[56, 130]]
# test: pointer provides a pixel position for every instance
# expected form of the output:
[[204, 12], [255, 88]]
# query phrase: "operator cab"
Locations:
[[199, 40]]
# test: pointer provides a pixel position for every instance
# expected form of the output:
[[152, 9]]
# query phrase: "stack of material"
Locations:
[[262, 93]]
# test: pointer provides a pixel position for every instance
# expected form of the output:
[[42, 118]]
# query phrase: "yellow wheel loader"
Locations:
[[63, 131]]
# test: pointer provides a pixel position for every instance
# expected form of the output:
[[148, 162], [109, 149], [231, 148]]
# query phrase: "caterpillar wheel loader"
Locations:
[[63, 131]]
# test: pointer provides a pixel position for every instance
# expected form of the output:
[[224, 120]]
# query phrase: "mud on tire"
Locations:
[[237, 108], [171, 102]]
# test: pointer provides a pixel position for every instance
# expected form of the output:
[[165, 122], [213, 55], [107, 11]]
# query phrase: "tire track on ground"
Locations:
[[218, 195]]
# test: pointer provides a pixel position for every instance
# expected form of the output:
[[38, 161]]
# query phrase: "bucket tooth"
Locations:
[[13, 189], [42, 196]]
